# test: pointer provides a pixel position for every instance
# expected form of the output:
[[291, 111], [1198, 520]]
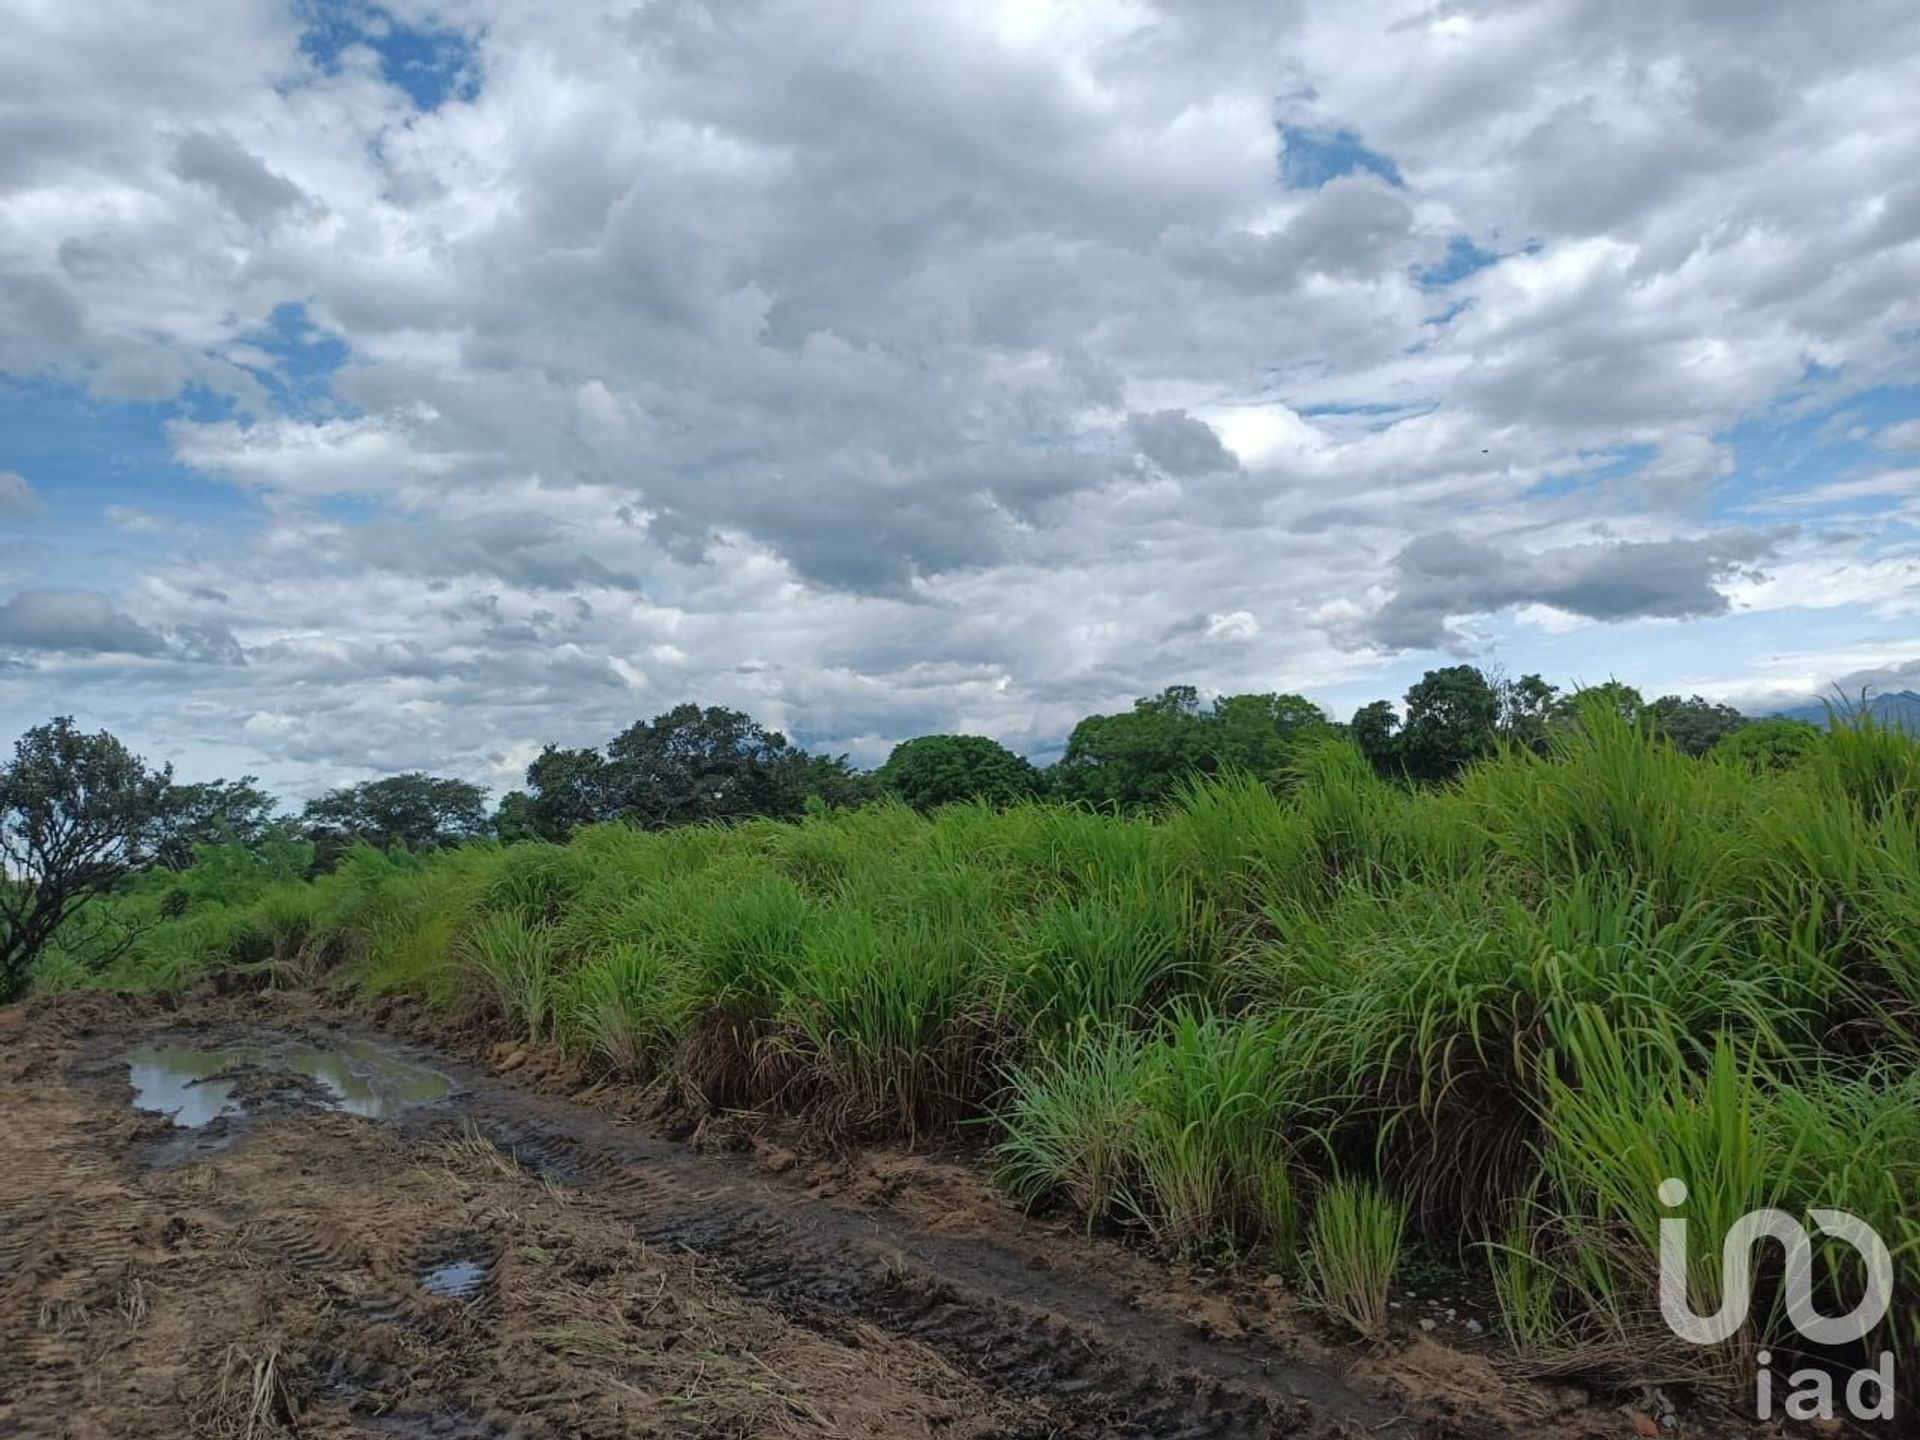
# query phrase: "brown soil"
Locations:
[[273, 1274]]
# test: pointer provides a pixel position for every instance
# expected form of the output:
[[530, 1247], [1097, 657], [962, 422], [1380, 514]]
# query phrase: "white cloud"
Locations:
[[942, 365]]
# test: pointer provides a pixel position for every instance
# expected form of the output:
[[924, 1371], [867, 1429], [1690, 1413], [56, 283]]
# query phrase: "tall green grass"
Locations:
[[1353, 1250], [1512, 1004]]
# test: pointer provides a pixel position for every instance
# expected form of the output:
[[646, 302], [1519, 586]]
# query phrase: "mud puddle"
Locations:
[[461, 1279], [493, 1260], [196, 1085]]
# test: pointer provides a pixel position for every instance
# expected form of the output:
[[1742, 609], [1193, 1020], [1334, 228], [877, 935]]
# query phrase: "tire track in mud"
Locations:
[[58, 1270], [979, 1336], [1102, 1367]]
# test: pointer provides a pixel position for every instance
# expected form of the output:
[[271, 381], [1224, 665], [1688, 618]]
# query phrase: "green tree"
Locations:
[[1375, 729], [1258, 733], [942, 769], [693, 764], [565, 789], [214, 812], [829, 782], [1623, 698], [687, 765], [1136, 757], [1452, 718], [77, 813], [1694, 725], [1140, 756], [419, 811], [1774, 743], [1526, 710]]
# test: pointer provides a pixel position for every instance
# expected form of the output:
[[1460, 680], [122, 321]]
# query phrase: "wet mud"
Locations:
[[253, 1218]]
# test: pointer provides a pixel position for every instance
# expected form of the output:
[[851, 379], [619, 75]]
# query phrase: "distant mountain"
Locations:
[[1896, 707]]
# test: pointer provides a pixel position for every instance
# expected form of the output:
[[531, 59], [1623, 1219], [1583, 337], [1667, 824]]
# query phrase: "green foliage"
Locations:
[[1134, 758], [1353, 1248], [1183, 1129], [691, 765], [945, 769], [1375, 729], [1073, 1124], [1693, 726], [1526, 709], [687, 766], [565, 790], [1513, 1001], [1143, 756], [1775, 743], [631, 1004], [516, 958], [214, 812], [1450, 723], [421, 812], [77, 812]]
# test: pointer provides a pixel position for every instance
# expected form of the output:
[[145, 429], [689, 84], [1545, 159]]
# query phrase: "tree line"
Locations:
[[79, 811]]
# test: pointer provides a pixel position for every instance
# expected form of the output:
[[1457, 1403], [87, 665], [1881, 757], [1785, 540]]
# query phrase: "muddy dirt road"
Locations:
[[313, 1229]]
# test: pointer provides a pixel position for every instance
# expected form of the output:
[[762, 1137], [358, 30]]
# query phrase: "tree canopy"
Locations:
[[1694, 725], [77, 812], [213, 812], [1452, 720], [695, 764], [688, 765], [942, 769], [1140, 756], [419, 811], [1773, 743]]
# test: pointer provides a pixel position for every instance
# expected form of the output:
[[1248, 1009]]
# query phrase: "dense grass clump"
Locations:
[[1353, 1249], [1289, 1025]]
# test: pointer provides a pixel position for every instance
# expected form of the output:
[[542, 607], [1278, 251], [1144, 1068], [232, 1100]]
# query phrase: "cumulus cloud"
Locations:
[[237, 176], [918, 367], [82, 621], [1902, 436], [1880, 679], [1180, 444], [86, 622], [1443, 575]]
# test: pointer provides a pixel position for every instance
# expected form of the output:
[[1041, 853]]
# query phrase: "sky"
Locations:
[[406, 386]]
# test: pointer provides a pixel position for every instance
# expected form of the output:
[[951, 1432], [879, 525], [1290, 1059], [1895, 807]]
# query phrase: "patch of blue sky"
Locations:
[[1310, 158], [89, 460], [1441, 317], [1463, 258], [1594, 467], [433, 64], [1798, 461], [295, 362], [350, 510], [1347, 418], [1760, 660]]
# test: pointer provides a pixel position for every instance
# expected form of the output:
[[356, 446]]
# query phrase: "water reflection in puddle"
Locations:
[[359, 1077], [176, 1081], [455, 1280]]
